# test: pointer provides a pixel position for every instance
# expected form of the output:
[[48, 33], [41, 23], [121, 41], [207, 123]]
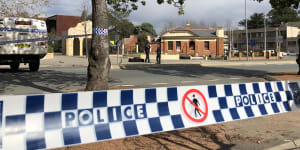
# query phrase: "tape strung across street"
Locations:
[[44, 39], [59, 120], [96, 31]]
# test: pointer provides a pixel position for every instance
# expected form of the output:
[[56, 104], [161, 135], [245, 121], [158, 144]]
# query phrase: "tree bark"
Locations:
[[99, 62]]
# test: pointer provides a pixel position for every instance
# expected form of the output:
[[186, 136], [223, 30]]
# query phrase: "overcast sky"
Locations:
[[209, 11]]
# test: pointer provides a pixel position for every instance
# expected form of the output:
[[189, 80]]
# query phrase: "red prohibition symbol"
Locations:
[[198, 102]]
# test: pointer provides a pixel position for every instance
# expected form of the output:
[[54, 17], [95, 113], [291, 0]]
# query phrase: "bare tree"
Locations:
[[167, 26], [85, 10], [214, 25], [170, 24], [164, 29], [23, 8], [202, 24], [228, 24], [86, 5], [194, 24]]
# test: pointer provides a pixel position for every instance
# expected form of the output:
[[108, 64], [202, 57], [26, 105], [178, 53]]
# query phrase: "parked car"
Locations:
[[283, 54], [291, 53]]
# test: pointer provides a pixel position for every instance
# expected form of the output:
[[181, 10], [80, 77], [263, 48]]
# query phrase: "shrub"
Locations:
[[50, 49]]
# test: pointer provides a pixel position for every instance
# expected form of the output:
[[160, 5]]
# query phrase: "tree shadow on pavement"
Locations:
[[44, 80], [194, 70], [193, 138]]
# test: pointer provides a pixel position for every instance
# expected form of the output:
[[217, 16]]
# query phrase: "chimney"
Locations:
[[188, 25], [220, 32]]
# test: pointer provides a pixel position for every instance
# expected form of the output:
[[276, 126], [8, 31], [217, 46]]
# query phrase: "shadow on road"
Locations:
[[45, 80], [193, 138], [194, 70]]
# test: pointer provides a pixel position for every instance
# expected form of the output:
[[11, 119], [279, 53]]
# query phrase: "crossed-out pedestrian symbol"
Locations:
[[195, 106]]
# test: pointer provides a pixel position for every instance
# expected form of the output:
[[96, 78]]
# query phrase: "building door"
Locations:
[[178, 46], [76, 47], [192, 48], [87, 45]]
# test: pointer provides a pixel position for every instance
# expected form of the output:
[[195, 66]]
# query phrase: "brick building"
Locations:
[[194, 42], [61, 23], [130, 44]]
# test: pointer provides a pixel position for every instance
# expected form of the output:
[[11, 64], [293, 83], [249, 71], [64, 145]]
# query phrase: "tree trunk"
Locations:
[[99, 62]]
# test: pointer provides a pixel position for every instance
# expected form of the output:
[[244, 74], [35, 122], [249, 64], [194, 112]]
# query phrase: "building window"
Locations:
[[292, 43], [170, 45], [271, 34], [283, 34], [192, 45], [178, 46], [271, 45], [206, 45]]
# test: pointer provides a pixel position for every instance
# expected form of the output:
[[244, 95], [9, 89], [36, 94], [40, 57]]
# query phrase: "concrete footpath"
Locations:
[[78, 61], [248, 63], [285, 76], [212, 63], [290, 145]]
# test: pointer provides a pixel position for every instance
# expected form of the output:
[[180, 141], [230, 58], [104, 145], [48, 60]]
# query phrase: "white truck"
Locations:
[[13, 51]]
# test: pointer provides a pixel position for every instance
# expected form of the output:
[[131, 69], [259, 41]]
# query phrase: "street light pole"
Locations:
[[246, 28], [265, 33]]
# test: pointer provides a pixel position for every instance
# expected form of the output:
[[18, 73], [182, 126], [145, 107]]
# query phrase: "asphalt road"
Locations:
[[61, 79]]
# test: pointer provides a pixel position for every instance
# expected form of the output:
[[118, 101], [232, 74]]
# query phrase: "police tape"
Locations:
[[96, 31], [44, 39], [59, 120]]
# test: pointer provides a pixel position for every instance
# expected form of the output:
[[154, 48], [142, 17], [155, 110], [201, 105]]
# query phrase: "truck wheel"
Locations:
[[14, 66], [34, 65]]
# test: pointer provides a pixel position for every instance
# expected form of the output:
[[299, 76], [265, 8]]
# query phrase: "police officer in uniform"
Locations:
[[158, 54], [147, 51]]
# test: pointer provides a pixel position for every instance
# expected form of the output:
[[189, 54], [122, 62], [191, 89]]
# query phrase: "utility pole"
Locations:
[[230, 32], [246, 28], [265, 34], [86, 41], [232, 37], [277, 39]]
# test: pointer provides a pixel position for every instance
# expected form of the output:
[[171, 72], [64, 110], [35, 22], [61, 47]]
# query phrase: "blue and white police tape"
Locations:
[[97, 31], [59, 120], [6, 29], [100, 31], [44, 39]]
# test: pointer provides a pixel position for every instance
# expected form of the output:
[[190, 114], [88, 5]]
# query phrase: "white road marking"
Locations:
[[159, 83], [127, 85], [214, 80], [235, 78], [187, 81]]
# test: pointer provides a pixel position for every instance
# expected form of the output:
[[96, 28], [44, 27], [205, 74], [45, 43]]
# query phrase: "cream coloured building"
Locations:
[[77, 46]]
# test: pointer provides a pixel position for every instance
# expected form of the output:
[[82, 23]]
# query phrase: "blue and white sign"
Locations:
[[58, 120]]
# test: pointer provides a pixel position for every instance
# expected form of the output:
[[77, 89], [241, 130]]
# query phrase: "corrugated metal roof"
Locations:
[[206, 33]]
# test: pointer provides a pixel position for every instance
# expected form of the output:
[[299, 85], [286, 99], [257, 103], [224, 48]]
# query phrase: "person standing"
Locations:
[[158, 54], [147, 51]]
